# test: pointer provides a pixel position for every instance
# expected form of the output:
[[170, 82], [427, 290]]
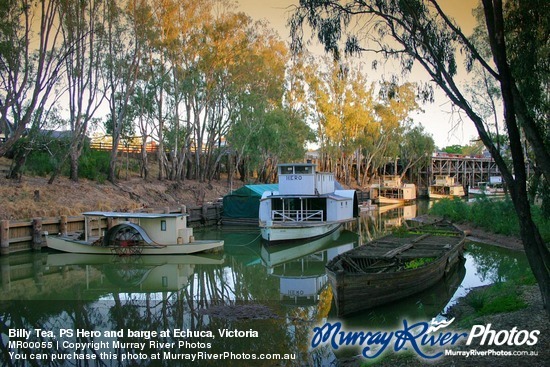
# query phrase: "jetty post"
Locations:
[[63, 225], [4, 237], [37, 233]]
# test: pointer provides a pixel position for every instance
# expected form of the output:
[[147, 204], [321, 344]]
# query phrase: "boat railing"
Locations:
[[297, 215]]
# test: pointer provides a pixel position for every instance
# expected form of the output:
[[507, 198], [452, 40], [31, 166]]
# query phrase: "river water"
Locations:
[[251, 301]]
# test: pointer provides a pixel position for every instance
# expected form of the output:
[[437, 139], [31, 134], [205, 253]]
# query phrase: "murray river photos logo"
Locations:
[[419, 337]]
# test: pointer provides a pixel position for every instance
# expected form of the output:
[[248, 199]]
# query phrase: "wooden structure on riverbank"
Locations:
[[467, 170], [17, 236]]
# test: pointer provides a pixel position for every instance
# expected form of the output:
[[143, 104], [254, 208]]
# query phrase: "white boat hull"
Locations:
[[297, 231], [66, 244], [482, 192], [382, 200]]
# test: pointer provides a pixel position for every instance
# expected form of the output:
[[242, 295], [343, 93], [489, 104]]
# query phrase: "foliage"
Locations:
[[278, 136], [415, 148], [343, 106], [94, 165], [42, 161], [453, 149], [497, 216], [416, 263], [496, 299], [360, 121], [42, 152]]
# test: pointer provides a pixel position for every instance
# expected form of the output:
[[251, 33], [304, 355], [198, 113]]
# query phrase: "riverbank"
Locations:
[[32, 197], [477, 234]]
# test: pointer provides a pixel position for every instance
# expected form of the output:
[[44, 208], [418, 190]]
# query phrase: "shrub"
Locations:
[[455, 210], [40, 163], [497, 216], [94, 165]]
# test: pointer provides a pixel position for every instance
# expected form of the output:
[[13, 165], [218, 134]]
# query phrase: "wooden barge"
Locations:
[[394, 266]]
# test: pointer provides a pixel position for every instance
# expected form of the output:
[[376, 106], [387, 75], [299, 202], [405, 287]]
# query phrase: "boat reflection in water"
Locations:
[[300, 268], [421, 306], [376, 223], [144, 273], [69, 276]]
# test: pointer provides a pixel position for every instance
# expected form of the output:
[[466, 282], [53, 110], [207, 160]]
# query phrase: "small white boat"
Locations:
[[493, 188], [135, 234], [445, 187], [392, 191], [306, 206]]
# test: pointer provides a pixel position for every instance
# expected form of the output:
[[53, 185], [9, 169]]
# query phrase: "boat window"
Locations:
[[163, 225], [302, 169], [287, 170]]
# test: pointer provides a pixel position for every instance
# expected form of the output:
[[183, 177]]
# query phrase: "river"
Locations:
[[250, 305]]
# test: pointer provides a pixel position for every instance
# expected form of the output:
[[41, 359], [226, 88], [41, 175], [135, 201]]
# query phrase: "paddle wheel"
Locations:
[[125, 240]]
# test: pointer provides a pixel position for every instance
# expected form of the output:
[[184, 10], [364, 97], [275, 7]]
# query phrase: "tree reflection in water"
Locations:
[[105, 304], [54, 292]]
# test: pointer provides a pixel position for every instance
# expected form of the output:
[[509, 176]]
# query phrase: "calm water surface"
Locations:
[[280, 292]]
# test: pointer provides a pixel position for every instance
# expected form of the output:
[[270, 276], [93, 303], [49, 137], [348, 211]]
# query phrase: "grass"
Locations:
[[416, 263], [497, 216], [498, 298]]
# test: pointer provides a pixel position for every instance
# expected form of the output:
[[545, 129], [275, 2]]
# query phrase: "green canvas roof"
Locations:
[[255, 190], [245, 202]]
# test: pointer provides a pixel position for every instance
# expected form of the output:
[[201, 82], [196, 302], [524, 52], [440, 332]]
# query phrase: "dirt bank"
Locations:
[[32, 196], [477, 234], [481, 235]]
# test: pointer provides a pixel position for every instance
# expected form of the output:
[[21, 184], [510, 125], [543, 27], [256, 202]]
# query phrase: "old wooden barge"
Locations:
[[395, 266]]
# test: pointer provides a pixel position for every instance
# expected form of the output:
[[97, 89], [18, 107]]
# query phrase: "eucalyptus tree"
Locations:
[[124, 42], [282, 138], [80, 27], [415, 149], [142, 113], [31, 63], [393, 106], [254, 98], [161, 42], [527, 26], [342, 103], [231, 42], [420, 32]]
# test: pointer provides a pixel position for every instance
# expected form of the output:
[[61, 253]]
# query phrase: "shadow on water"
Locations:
[[280, 291]]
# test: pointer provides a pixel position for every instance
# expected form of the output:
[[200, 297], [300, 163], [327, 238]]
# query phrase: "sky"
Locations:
[[437, 118]]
